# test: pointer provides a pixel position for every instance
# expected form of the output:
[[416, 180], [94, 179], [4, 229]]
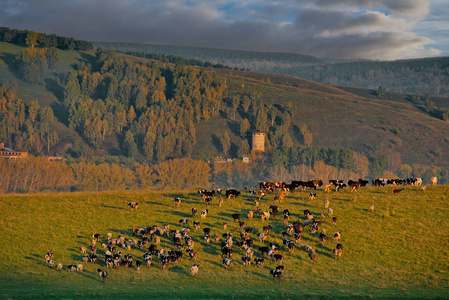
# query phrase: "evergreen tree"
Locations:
[[129, 145]]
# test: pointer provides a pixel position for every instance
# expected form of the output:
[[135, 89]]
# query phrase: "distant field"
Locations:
[[399, 250]]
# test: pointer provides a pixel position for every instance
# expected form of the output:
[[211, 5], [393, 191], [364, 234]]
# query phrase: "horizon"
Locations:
[[327, 29]]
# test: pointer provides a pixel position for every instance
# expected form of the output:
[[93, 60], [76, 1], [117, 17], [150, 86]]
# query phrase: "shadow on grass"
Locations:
[[178, 269], [91, 276], [115, 207], [261, 275], [37, 259], [215, 263]]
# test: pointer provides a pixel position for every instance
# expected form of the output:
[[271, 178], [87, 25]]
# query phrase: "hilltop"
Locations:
[[425, 76]]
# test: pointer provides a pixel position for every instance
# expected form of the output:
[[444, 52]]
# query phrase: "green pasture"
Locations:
[[400, 250]]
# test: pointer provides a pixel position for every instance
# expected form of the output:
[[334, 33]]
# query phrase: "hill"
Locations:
[[399, 76], [396, 251], [114, 104]]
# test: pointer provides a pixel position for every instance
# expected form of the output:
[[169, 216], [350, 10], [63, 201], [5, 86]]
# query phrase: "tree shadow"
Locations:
[[178, 269], [214, 263], [216, 142], [9, 59]]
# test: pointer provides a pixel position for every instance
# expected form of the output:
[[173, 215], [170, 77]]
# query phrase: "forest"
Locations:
[[396, 76], [168, 118]]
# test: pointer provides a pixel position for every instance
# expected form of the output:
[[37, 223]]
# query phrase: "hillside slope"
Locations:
[[336, 117], [425, 76]]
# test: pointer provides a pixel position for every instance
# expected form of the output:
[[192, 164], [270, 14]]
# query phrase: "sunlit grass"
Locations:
[[398, 250]]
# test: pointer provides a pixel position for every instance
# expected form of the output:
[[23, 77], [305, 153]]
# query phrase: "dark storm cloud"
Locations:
[[381, 29]]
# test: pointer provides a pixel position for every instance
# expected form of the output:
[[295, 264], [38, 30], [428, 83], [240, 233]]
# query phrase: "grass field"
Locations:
[[399, 250]]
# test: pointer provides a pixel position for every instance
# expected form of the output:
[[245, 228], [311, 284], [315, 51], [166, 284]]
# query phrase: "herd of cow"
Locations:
[[148, 239]]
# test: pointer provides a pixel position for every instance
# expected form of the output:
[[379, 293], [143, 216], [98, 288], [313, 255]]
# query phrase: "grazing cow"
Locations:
[[434, 180], [337, 236], [85, 258], [177, 201], [286, 217], [323, 237], [250, 214], [51, 263], [83, 250], [259, 261], [204, 214], [196, 224], [327, 188], [371, 208], [338, 253], [192, 254], [265, 215], [263, 237], [72, 268], [249, 251], [220, 202], [241, 224], [208, 200], [264, 250], [326, 204], [274, 210], [225, 251], [103, 274], [236, 217], [278, 258], [79, 268], [59, 266], [297, 237], [276, 274], [194, 269], [217, 238], [133, 205], [334, 220], [184, 221], [261, 194], [312, 196], [330, 212], [228, 262], [306, 213], [225, 225], [138, 264], [312, 257], [246, 260], [96, 236], [194, 210], [232, 193], [93, 258]]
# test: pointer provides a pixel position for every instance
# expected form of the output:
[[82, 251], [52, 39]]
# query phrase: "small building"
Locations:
[[11, 154], [258, 141]]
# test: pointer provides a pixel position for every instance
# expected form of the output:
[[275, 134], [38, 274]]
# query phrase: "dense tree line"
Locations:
[[20, 37], [25, 127], [174, 59], [152, 107]]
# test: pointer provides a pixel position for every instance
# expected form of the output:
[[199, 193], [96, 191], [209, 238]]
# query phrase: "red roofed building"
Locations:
[[9, 153]]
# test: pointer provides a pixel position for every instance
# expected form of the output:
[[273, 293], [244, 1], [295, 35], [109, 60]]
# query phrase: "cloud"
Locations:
[[375, 29]]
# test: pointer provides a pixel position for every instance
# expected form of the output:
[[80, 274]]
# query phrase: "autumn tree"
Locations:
[[244, 128], [129, 145], [225, 142]]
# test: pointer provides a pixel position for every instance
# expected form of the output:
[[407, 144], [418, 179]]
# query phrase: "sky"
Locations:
[[337, 29]]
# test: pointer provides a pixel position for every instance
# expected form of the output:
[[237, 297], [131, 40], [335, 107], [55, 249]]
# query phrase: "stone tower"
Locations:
[[258, 141]]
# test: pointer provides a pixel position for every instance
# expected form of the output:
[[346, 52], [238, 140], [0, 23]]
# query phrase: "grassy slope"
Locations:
[[399, 250]]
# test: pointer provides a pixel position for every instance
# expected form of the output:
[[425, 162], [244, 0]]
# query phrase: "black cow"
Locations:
[[232, 193]]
